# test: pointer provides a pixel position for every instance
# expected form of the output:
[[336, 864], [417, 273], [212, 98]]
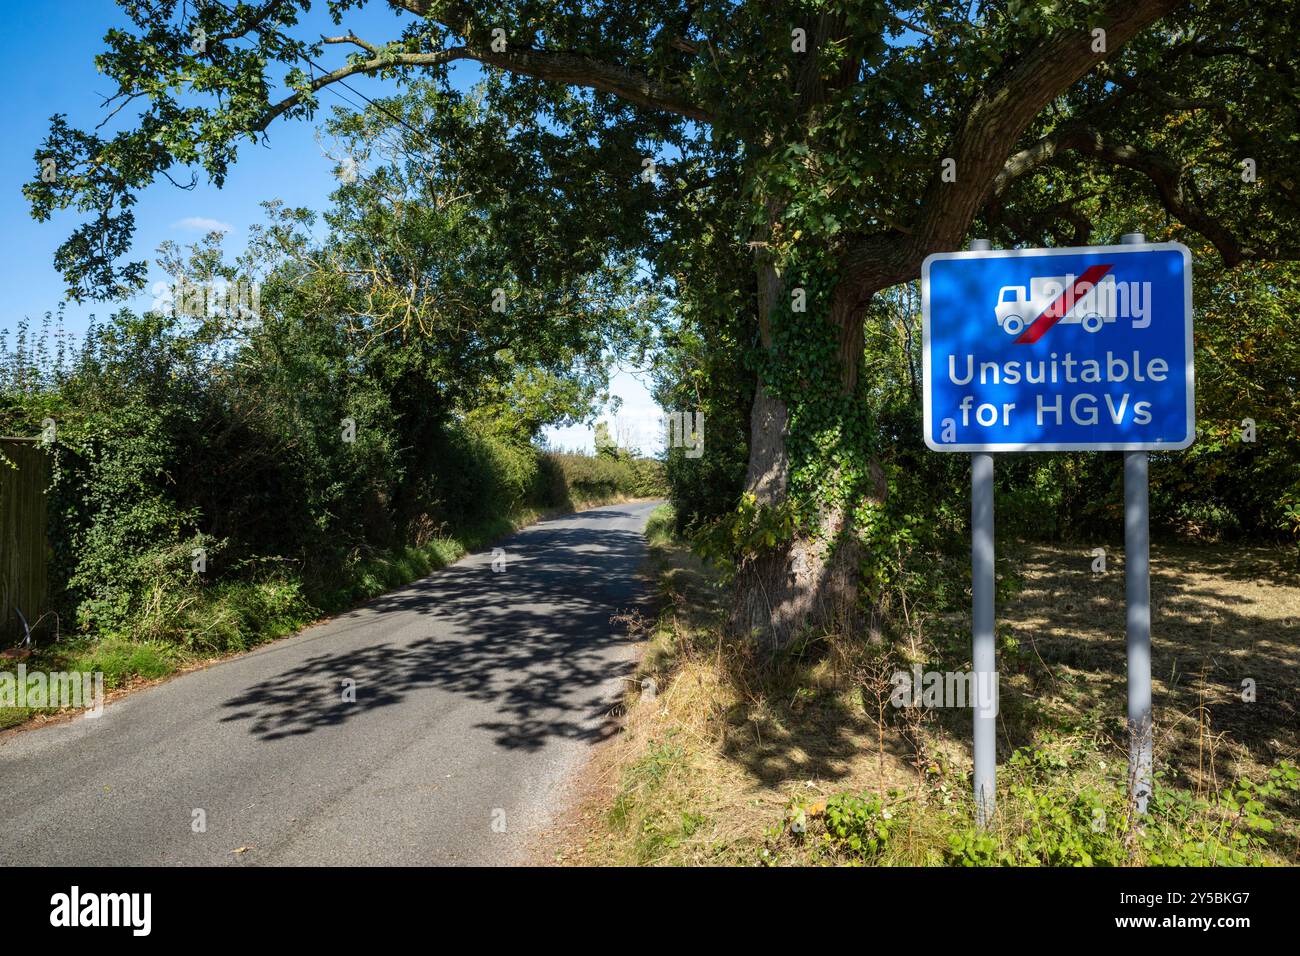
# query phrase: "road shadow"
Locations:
[[535, 641]]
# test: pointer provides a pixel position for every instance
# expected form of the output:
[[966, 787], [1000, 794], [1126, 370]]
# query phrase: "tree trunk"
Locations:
[[810, 581], [807, 582]]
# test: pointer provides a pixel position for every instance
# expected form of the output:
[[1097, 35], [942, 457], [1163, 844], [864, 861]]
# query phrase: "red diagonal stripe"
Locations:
[[1062, 306]]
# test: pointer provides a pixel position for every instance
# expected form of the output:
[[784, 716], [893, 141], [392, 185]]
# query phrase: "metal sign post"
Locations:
[[1137, 594], [983, 644], [1081, 349]]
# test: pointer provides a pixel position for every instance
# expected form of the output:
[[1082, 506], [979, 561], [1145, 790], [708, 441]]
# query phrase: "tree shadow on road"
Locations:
[[535, 641]]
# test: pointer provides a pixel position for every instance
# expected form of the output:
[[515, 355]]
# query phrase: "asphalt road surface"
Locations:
[[479, 694]]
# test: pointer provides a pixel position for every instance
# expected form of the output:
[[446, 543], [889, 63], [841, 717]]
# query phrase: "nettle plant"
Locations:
[[816, 146]]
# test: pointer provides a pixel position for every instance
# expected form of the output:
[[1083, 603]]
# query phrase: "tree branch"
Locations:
[[260, 16], [353, 39], [1178, 197], [575, 69], [999, 117], [1039, 154], [373, 65], [567, 68], [983, 142], [559, 66]]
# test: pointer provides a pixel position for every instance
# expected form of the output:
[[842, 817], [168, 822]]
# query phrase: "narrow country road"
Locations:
[[478, 695]]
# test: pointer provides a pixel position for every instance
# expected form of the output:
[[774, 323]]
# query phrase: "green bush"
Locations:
[[857, 825], [588, 478], [1046, 824], [1048, 816], [172, 443]]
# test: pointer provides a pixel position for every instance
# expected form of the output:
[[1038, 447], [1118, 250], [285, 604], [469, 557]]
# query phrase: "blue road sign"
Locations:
[[1059, 349]]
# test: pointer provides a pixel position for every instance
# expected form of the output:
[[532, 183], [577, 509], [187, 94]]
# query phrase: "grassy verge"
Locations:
[[238, 616], [804, 760]]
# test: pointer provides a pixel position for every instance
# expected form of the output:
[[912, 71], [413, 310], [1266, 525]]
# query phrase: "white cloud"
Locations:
[[203, 224]]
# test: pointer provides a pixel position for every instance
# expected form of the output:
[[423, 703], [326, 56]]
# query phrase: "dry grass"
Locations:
[[710, 766], [1220, 616], [716, 753]]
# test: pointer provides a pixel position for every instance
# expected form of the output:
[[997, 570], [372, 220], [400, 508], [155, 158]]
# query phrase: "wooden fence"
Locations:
[[24, 477]]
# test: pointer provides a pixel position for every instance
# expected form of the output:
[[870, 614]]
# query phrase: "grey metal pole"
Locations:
[[983, 649], [1137, 591]]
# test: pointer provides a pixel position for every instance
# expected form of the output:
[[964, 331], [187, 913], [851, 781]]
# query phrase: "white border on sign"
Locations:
[[1072, 251]]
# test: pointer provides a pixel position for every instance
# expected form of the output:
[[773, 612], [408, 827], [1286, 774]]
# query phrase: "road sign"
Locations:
[[1059, 349]]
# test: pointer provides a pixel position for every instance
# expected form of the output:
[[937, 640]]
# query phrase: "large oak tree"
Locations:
[[834, 144]]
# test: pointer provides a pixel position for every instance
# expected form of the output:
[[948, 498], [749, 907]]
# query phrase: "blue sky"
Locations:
[[47, 64]]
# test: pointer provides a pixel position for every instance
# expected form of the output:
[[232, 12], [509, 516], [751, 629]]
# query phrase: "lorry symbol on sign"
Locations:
[[1093, 305]]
